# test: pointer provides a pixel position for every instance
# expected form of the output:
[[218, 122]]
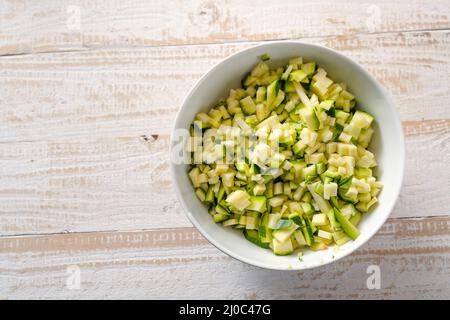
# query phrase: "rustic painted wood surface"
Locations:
[[85, 116]]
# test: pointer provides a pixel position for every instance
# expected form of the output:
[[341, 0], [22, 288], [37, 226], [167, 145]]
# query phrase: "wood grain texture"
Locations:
[[413, 256], [72, 155], [124, 183], [99, 93], [86, 109], [45, 26]]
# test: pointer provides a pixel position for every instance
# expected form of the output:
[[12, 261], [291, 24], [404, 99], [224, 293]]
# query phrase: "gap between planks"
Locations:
[[48, 26], [410, 128], [185, 237], [413, 256], [93, 48]]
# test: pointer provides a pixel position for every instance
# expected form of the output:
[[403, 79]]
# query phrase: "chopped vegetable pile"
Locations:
[[285, 159]]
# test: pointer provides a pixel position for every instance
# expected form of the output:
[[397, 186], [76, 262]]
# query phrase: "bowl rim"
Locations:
[[401, 154]]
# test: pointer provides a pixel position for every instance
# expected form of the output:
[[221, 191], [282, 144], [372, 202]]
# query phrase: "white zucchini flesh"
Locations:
[[302, 172]]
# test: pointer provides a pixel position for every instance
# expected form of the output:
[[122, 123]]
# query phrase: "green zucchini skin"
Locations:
[[304, 177]]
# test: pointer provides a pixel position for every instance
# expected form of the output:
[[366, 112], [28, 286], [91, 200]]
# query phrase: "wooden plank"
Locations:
[[427, 163], [413, 256], [138, 91], [72, 155], [85, 185], [124, 183], [45, 26]]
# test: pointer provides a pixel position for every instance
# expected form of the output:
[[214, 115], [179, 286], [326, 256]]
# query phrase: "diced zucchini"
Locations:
[[346, 225], [285, 158], [273, 220], [283, 223], [320, 86], [307, 207], [262, 111], [253, 237], [239, 199], [259, 189], [320, 167], [355, 219], [319, 219], [272, 93], [296, 61], [283, 234], [296, 218], [348, 210], [288, 87], [200, 194], [300, 238], [299, 147], [307, 232], [299, 193], [278, 100], [321, 202], [365, 137], [261, 94], [209, 195], [330, 190], [349, 195], [265, 57], [219, 217], [265, 233], [247, 105], [286, 73], [278, 188], [252, 221], [282, 248], [325, 235], [260, 69], [327, 104], [258, 203], [365, 206], [297, 75], [318, 246], [230, 222], [220, 194], [309, 68], [308, 116], [362, 120], [276, 201]]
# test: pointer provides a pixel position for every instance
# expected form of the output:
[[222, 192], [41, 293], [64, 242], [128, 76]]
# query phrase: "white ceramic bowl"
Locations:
[[387, 144]]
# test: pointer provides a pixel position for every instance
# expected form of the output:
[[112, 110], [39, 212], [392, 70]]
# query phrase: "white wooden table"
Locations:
[[88, 95]]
